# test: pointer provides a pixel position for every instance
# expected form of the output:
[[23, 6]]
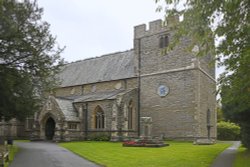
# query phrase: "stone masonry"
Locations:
[[182, 114], [110, 95]]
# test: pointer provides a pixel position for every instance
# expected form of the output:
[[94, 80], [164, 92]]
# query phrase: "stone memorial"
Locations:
[[146, 127], [146, 139]]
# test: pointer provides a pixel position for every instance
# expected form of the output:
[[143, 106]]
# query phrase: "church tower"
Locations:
[[177, 89]]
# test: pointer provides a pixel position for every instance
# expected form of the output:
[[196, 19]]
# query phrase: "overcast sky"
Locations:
[[90, 28]]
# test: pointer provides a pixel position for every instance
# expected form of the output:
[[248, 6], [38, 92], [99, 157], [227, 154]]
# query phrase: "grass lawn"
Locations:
[[13, 150], [178, 154], [242, 158]]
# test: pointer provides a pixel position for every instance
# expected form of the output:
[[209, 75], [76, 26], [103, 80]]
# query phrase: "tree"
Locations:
[[220, 114], [221, 28], [29, 58]]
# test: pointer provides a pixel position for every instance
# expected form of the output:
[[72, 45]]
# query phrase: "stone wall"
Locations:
[[207, 100], [131, 83], [129, 98], [63, 132], [106, 106], [173, 115], [116, 115], [96, 87], [14, 129], [207, 63], [68, 91]]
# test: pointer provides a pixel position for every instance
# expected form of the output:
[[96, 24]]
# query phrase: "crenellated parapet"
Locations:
[[156, 26]]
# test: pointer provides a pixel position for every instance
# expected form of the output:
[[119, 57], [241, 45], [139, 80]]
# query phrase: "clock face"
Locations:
[[163, 90]]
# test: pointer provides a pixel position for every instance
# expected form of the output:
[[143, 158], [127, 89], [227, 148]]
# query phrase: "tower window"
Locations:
[[164, 41]]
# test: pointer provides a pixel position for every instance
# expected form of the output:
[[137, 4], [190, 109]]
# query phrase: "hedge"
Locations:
[[228, 131]]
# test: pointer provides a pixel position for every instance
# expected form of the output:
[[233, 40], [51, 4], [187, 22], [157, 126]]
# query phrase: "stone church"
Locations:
[[116, 95]]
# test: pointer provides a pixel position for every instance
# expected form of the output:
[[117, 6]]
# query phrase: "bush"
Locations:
[[228, 131], [99, 137], [245, 134]]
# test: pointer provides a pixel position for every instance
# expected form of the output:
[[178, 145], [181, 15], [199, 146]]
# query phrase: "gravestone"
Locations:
[[146, 127], [204, 142], [146, 139]]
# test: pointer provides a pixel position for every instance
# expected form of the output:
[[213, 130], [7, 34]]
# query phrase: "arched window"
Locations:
[[99, 118], [130, 115]]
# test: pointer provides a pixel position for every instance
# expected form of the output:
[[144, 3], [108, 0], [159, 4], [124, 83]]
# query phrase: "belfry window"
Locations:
[[164, 41], [99, 118]]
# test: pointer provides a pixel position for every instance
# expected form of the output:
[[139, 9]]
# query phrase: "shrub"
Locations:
[[245, 134], [228, 131], [99, 137]]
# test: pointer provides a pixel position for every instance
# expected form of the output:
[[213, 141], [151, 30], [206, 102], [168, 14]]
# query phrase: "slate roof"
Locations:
[[105, 68], [66, 103], [66, 107]]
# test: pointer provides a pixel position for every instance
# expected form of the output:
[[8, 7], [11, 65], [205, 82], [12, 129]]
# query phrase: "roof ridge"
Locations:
[[97, 57]]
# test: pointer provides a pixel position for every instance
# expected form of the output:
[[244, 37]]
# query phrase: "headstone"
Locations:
[[204, 142], [146, 127]]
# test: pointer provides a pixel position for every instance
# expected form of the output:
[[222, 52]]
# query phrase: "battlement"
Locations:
[[156, 26]]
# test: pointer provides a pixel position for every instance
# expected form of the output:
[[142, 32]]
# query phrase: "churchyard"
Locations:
[[177, 154]]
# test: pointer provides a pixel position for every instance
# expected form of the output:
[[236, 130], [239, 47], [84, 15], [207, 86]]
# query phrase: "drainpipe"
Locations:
[[139, 85]]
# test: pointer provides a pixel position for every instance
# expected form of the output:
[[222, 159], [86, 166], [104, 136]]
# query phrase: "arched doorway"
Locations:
[[50, 128]]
